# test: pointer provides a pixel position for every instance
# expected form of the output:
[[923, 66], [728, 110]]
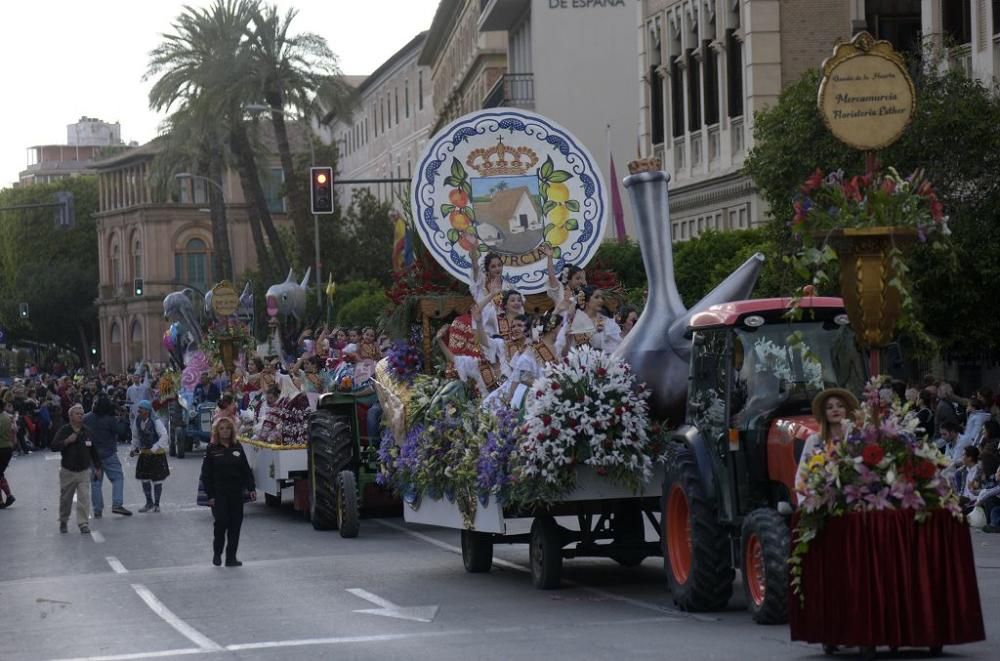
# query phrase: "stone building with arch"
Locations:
[[165, 239]]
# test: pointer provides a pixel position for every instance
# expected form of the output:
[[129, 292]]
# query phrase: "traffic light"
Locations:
[[137, 286], [321, 189], [22, 310], [65, 213]]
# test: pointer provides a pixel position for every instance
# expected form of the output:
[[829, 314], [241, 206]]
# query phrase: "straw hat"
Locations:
[[819, 402]]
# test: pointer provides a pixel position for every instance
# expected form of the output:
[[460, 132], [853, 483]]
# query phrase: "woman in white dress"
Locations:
[[831, 408], [571, 279], [590, 326], [486, 286]]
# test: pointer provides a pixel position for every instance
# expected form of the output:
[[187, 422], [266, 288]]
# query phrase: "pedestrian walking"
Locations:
[[227, 478], [79, 456], [6, 449], [104, 427], [149, 441]]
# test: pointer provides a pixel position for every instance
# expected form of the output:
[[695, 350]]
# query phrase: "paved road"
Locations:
[[143, 587]]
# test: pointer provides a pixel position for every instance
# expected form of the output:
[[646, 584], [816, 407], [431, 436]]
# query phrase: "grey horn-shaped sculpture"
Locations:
[[656, 348]]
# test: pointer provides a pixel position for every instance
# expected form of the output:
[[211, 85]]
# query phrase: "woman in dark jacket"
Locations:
[[226, 475]]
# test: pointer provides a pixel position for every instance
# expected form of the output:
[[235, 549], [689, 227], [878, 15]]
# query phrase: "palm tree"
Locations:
[[293, 70], [202, 69]]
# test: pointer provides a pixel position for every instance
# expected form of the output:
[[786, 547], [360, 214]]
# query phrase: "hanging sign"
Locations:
[[866, 97], [508, 182]]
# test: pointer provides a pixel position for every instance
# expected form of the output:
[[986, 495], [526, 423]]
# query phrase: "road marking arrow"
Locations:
[[388, 609]]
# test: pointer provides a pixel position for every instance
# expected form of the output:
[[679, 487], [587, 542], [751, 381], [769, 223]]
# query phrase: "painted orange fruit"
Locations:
[[459, 221], [458, 197]]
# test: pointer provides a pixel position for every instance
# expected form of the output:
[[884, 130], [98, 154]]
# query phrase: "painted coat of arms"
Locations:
[[508, 182]]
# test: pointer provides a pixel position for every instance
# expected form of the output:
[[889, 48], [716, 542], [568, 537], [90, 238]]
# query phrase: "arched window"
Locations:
[[116, 333], [135, 335], [136, 258], [116, 266], [192, 264]]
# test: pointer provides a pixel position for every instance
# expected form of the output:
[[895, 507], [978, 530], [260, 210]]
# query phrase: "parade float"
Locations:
[[683, 432], [879, 533]]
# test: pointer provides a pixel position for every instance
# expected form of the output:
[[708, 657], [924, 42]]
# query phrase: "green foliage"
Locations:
[[357, 241], [357, 303], [625, 259], [954, 138], [52, 269]]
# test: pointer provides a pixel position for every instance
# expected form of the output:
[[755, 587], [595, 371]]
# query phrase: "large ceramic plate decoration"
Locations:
[[510, 181]]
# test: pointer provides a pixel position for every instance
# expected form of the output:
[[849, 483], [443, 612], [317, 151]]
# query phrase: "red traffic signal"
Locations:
[[321, 189]]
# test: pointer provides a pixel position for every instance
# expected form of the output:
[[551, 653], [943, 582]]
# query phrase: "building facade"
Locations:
[[465, 62], [554, 69], [383, 137], [708, 65], [166, 241], [85, 140]]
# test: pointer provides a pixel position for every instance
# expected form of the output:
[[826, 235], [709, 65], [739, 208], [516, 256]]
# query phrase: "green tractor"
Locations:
[[343, 463]]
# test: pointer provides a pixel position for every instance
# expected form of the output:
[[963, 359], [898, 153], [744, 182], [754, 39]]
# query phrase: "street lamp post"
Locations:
[[259, 108]]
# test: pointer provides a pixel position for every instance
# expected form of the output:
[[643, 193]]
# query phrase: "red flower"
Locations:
[[601, 470], [925, 470], [852, 189], [813, 182], [546, 420], [888, 185], [937, 209], [555, 385], [872, 454], [601, 372]]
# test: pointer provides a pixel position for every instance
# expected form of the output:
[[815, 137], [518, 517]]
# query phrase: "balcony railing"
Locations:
[[736, 136], [512, 90]]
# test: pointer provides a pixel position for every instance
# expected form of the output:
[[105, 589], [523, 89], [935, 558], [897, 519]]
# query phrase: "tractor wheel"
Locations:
[[348, 516], [477, 551], [181, 443], [272, 501], [545, 553], [630, 530], [696, 554], [331, 447], [766, 543]]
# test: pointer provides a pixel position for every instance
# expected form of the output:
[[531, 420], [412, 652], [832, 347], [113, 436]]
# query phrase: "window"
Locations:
[[734, 73], [273, 183], [382, 108], [957, 21], [116, 333], [996, 20], [375, 118], [711, 79], [135, 335], [191, 264], [420, 90], [676, 98], [136, 258], [694, 91], [396, 94], [117, 277], [406, 97], [366, 131]]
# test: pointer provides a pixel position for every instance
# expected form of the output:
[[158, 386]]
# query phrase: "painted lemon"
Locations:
[[459, 220], [559, 216], [558, 192], [557, 236]]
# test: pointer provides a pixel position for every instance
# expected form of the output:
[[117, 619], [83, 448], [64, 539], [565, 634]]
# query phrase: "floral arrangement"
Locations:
[[882, 463], [869, 200], [231, 330], [493, 467], [585, 410], [405, 361]]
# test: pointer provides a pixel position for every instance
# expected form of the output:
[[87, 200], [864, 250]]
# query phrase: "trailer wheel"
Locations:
[[477, 551], [181, 443], [348, 516], [545, 552], [272, 501], [630, 531], [766, 542], [696, 554], [331, 447]]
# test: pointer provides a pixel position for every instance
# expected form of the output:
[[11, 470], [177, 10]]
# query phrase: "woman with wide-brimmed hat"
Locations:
[[831, 408]]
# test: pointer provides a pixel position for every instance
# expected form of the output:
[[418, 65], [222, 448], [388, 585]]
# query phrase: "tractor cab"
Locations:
[[753, 377]]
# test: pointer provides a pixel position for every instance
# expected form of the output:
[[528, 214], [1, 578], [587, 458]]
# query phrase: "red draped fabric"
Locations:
[[883, 579]]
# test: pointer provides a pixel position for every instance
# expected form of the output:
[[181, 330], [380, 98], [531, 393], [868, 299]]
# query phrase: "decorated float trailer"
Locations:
[[722, 500]]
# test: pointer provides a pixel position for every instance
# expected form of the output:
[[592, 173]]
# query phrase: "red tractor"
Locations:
[[729, 485]]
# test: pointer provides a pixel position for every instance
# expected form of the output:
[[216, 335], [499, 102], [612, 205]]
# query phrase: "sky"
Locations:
[[64, 59]]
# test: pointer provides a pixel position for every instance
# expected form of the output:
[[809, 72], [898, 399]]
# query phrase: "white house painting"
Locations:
[[508, 216]]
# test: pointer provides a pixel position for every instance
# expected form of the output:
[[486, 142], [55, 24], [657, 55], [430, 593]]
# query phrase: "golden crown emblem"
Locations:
[[502, 160]]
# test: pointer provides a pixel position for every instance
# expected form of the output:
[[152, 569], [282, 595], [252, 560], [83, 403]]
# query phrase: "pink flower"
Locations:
[[878, 500], [888, 185], [813, 182]]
